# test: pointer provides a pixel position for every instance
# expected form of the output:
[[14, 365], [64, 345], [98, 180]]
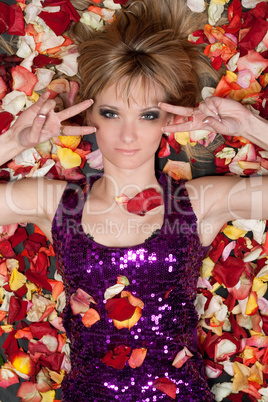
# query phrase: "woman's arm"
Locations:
[[28, 200], [217, 200], [220, 115], [38, 124]]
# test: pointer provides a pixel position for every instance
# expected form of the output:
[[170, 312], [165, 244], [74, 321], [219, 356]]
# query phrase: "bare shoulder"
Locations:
[[218, 199], [31, 200]]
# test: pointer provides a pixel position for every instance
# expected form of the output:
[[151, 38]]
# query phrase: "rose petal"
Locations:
[[165, 385]]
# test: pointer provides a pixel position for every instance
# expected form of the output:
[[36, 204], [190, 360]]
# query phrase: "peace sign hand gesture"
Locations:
[[219, 115], [40, 122]]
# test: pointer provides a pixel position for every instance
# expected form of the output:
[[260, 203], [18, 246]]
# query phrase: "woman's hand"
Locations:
[[219, 115], [39, 122]]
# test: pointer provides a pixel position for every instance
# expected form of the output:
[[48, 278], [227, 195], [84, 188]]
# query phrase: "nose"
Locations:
[[128, 133]]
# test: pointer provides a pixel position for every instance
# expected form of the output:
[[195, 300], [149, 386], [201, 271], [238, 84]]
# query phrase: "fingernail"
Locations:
[[205, 121], [41, 117]]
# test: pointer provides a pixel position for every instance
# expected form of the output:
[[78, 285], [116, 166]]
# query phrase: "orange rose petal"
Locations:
[[137, 357], [90, 317], [134, 301]]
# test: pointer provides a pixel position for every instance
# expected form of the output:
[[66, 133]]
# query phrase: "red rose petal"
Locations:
[[167, 386], [39, 329], [6, 249], [144, 202], [59, 22], [4, 17], [16, 22], [119, 309], [229, 271], [19, 236], [17, 310], [117, 358], [23, 80], [10, 345], [164, 148], [238, 331], [53, 362], [41, 61], [40, 280], [40, 265], [3, 89], [6, 119], [173, 143]]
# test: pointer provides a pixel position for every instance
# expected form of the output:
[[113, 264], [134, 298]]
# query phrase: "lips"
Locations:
[[127, 152]]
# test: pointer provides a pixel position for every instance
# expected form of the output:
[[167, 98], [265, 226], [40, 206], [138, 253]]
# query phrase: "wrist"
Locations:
[[9, 147], [256, 130]]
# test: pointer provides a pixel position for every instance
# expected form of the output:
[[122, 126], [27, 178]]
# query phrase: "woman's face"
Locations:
[[128, 131]]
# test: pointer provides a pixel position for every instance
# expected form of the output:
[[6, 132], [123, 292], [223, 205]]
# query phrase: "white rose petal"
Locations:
[[51, 40], [92, 19], [14, 102], [69, 64], [199, 304], [44, 169], [111, 5], [29, 157], [197, 6], [28, 61], [24, 49], [31, 13], [250, 3], [113, 290], [222, 390], [207, 92], [232, 63], [254, 225], [214, 13], [44, 76], [228, 367], [107, 15], [5, 304], [52, 9]]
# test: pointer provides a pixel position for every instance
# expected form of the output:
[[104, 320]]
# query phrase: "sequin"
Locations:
[[168, 322]]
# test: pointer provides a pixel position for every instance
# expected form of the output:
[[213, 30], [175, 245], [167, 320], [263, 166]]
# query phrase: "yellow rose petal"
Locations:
[[17, 280], [48, 396], [68, 158], [31, 289], [207, 267], [259, 287], [233, 233], [70, 141]]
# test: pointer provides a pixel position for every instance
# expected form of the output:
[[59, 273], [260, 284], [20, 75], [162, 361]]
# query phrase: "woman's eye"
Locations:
[[150, 116], [109, 114]]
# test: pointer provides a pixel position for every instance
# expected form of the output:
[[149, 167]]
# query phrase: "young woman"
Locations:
[[137, 273]]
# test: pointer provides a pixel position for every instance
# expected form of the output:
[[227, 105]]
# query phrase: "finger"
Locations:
[[77, 130], [212, 124], [47, 107], [178, 127], [180, 110], [37, 126], [74, 110], [40, 102]]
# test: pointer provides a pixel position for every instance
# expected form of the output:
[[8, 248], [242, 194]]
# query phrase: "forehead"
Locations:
[[142, 93]]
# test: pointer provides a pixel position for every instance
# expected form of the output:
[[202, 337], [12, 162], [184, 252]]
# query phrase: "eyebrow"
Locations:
[[142, 110]]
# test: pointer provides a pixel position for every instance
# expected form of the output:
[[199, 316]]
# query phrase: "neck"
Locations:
[[116, 181]]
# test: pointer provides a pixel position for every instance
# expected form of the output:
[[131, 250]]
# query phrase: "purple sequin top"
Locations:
[[162, 273]]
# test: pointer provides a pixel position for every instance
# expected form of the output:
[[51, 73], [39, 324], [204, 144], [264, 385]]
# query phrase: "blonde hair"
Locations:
[[147, 41]]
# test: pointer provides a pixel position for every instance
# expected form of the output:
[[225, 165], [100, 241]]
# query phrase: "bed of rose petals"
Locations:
[[231, 302]]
